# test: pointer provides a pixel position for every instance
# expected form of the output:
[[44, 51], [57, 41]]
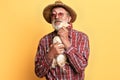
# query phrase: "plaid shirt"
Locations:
[[77, 57]]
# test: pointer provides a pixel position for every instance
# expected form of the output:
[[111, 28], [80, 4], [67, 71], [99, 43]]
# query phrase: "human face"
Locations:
[[59, 15]]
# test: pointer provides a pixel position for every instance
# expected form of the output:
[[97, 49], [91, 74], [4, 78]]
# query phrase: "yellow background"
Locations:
[[22, 25]]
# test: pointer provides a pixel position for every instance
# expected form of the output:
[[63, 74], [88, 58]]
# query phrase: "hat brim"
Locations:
[[48, 9]]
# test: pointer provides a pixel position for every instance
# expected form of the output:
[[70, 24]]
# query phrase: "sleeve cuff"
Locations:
[[71, 50]]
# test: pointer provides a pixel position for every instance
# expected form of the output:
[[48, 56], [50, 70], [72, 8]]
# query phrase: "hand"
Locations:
[[55, 49], [63, 33]]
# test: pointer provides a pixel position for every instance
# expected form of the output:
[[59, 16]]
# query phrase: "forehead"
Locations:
[[59, 9]]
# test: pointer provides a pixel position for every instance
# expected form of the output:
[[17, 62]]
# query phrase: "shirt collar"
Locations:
[[70, 30]]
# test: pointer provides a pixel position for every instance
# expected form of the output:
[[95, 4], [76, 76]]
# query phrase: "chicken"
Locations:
[[60, 60]]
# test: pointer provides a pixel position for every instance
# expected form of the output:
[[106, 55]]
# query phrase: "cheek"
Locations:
[[52, 19], [65, 18]]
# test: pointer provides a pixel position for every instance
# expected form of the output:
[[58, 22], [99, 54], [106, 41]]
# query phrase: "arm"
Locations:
[[44, 58], [78, 56], [42, 62]]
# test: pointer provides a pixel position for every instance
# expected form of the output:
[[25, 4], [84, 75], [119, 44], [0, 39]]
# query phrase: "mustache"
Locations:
[[57, 21]]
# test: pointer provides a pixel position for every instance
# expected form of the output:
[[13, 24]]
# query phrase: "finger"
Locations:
[[61, 50], [61, 29], [64, 28], [56, 43], [61, 46]]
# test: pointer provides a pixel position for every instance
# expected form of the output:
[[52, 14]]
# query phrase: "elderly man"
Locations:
[[72, 45]]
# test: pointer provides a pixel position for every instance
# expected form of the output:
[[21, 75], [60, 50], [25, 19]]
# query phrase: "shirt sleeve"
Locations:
[[42, 62], [78, 56]]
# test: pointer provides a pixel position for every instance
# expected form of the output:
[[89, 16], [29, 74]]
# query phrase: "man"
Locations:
[[75, 46]]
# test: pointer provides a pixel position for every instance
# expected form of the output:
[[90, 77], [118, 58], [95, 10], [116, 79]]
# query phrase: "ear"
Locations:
[[69, 18]]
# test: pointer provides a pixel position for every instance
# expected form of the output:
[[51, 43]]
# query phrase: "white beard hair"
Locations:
[[62, 24]]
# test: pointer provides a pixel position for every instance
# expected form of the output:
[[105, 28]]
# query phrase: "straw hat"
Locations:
[[47, 11]]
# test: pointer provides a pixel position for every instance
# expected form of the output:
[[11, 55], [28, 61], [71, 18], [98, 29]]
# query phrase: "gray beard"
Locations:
[[62, 24]]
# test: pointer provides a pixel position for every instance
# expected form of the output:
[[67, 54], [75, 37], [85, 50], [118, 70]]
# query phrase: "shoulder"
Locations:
[[46, 37], [80, 33]]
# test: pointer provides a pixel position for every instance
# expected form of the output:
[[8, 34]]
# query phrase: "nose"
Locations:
[[56, 16]]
